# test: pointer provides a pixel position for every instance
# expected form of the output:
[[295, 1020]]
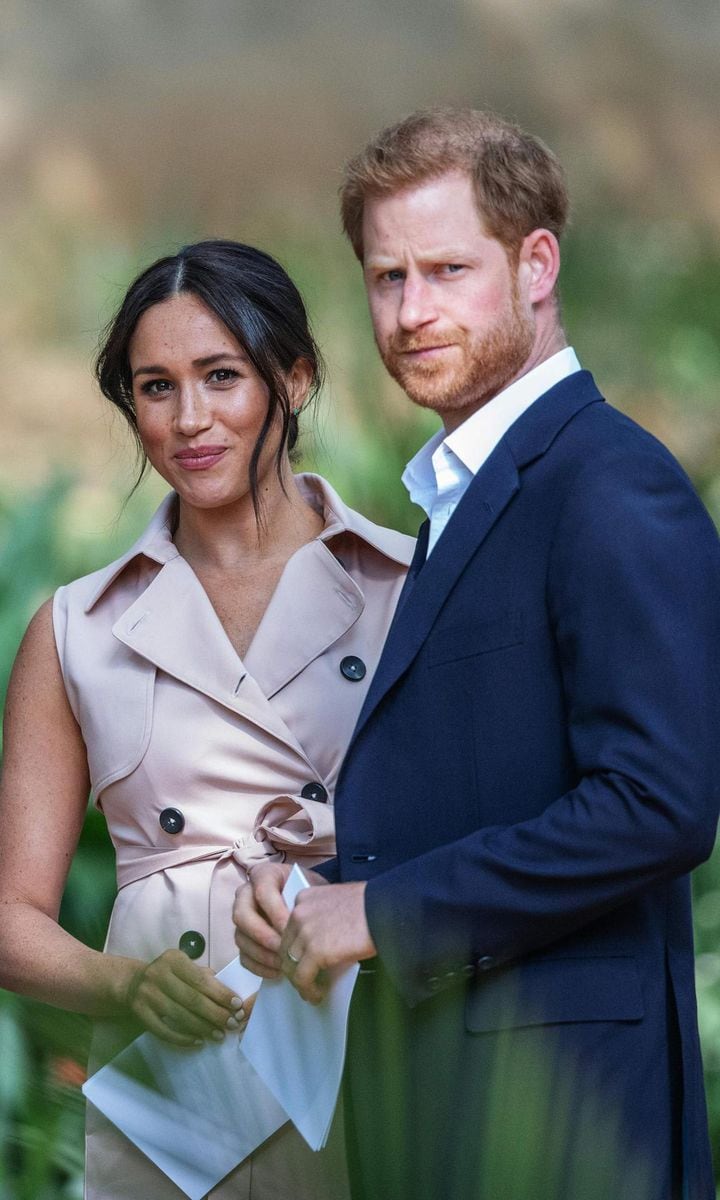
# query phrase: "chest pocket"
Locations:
[[114, 707], [465, 640]]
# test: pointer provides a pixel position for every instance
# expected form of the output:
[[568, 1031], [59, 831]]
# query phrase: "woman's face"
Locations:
[[199, 401]]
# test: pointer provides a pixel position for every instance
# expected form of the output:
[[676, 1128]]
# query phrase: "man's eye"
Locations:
[[452, 268], [391, 276]]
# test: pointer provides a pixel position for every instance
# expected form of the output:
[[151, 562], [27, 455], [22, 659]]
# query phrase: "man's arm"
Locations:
[[634, 597]]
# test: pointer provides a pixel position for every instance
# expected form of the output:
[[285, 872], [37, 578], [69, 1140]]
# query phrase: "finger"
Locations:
[[302, 966], [267, 892], [162, 986], [311, 983], [154, 1024], [248, 1005], [173, 1024], [261, 950], [198, 1005], [252, 924], [206, 983], [291, 940], [270, 955], [259, 968], [292, 958], [158, 995]]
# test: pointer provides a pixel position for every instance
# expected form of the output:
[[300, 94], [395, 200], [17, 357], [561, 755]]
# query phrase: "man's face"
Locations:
[[450, 313]]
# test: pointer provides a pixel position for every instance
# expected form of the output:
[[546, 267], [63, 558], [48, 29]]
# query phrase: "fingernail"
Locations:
[[231, 1023], [217, 1035], [236, 1002]]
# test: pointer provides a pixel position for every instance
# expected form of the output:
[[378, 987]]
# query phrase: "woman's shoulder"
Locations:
[[341, 518], [124, 573]]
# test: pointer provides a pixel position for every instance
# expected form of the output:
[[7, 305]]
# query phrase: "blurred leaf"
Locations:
[[13, 1056]]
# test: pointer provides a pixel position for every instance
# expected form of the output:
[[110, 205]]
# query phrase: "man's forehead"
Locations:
[[439, 213]]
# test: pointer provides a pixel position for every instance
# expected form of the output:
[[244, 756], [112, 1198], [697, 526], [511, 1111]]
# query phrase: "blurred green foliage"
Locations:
[[640, 305]]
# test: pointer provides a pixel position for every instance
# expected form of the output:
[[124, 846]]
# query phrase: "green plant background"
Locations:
[[650, 333], [128, 128]]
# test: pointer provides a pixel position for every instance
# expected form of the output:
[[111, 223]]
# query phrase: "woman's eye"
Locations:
[[223, 375], [155, 387]]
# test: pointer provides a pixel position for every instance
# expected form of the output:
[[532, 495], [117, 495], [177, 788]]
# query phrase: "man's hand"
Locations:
[[260, 915], [327, 929]]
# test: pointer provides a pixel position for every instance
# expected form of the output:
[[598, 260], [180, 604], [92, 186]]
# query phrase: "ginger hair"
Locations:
[[519, 183]]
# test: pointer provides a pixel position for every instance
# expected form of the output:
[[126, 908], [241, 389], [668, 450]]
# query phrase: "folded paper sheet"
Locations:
[[298, 1049], [195, 1113]]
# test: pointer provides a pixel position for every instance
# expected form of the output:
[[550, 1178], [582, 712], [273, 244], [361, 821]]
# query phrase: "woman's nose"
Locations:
[[193, 413]]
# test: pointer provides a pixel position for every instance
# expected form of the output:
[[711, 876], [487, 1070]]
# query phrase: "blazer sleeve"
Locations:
[[329, 870], [633, 593]]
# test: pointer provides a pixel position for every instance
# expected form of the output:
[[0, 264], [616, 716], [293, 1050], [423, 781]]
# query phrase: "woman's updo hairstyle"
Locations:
[[257, 302]]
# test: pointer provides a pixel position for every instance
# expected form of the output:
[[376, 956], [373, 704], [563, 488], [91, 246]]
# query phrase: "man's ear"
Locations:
[[539, 264], [299, 378]]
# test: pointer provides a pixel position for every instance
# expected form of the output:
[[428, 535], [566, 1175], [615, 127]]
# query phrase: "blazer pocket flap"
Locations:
[[555, 991], [478, 637]]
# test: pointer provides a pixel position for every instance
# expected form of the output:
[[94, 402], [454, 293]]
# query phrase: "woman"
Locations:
[[204, 686]]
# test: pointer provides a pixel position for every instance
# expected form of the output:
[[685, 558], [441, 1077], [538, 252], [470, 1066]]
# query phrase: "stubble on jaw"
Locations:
[[476, 369]]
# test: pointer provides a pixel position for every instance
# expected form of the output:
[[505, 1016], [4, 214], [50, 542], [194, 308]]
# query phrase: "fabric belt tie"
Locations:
[[286, 826]]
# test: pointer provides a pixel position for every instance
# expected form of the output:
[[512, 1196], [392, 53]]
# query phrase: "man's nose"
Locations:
[[193, 413], [418, 305]]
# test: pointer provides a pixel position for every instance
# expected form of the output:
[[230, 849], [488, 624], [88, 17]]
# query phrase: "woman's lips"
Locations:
[[199, 458]]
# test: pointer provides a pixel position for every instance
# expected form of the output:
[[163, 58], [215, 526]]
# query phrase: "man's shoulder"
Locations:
[[600, 429]]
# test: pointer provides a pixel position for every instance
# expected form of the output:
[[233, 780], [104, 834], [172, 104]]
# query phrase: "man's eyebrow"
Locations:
[[447, 254], [207, 361]]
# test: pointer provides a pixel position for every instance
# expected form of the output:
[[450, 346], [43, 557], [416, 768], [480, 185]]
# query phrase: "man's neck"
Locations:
[[544, 347]]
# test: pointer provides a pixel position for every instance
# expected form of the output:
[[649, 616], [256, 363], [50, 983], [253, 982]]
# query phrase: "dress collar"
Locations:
[[156, 543]]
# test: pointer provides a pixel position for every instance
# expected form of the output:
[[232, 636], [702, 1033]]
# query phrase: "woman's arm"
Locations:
[[43, 797]]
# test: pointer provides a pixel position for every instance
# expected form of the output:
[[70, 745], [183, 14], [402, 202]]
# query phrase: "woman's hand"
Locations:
[[183, 1003]]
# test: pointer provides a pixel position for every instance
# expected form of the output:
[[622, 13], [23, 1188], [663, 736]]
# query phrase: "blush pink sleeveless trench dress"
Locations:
[[203, 764]]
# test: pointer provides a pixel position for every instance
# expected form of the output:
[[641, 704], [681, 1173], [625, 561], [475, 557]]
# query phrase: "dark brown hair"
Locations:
[[257, 302]]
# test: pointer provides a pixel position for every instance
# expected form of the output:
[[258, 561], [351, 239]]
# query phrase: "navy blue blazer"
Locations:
[[537, 764]]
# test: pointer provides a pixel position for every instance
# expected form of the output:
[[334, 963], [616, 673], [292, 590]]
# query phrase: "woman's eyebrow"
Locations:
[[207, 361]]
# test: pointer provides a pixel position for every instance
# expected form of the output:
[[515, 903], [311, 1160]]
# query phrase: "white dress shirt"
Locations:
[[442, 470]]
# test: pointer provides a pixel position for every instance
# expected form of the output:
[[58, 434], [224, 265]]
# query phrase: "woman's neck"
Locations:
[[231, 536]]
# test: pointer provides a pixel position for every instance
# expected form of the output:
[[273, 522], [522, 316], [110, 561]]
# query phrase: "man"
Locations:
[[536, 768]]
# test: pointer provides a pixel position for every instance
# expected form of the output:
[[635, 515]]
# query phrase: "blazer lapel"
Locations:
[[485, 500], [174, 626], [487, 496], [416, 566]]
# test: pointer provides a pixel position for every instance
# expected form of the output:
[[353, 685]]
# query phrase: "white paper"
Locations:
[[298, 1049], [196, 1113]]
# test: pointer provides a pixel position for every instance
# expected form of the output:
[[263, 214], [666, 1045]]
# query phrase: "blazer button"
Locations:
[[172, 820], [314, 791], [353, 668], [192, 943], [485, 963]]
